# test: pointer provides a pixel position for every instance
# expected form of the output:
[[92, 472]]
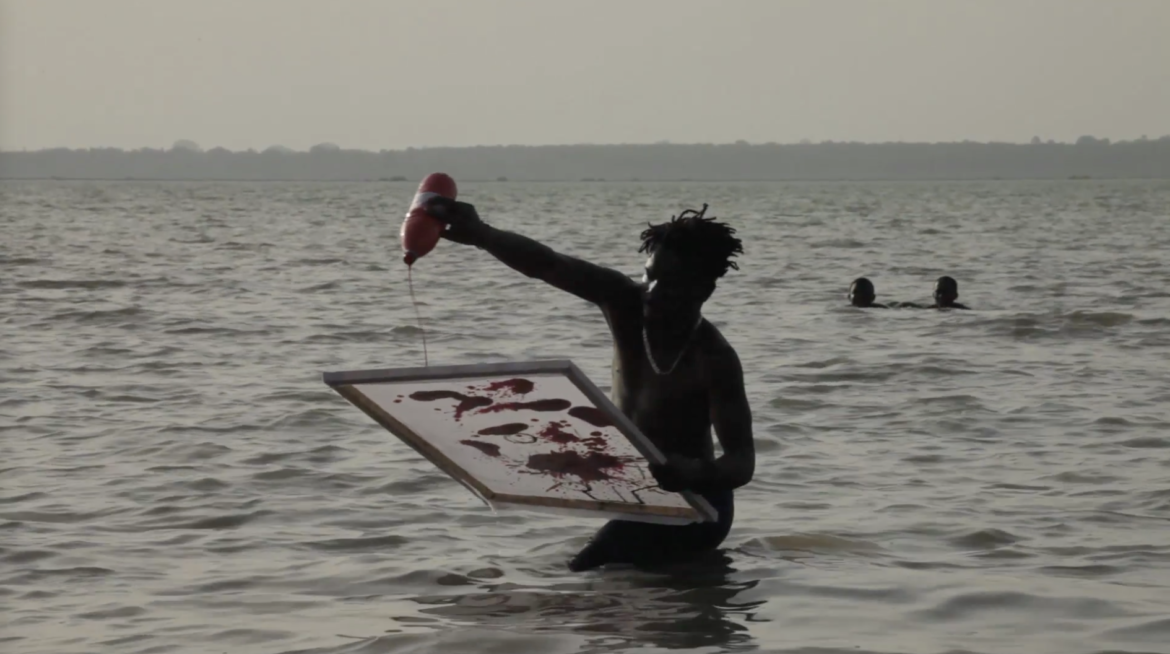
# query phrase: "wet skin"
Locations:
[[701, 388]]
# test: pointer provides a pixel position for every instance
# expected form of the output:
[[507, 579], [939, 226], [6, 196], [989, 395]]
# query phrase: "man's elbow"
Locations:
[[743, 471]]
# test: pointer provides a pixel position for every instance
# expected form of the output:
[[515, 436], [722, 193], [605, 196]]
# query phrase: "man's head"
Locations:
[[946, 291], [862, 293], [687, 255]]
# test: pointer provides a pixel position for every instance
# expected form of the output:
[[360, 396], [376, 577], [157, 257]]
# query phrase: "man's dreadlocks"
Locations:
[[709, 243]]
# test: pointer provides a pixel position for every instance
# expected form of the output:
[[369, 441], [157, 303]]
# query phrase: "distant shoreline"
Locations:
[[875, 180], [1087, 159]]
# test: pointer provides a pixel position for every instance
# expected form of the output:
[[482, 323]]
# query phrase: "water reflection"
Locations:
[[679, 608]]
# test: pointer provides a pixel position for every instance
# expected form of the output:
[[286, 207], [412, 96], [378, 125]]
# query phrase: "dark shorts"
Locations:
[[642, 543]]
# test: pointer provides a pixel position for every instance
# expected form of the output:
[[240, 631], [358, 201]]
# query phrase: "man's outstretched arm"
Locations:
[[588, 281]]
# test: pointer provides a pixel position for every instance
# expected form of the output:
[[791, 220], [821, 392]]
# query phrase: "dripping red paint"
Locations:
[[466, 402], [509, 429], [591, 415], [513, 386], [592, 467], [556, 433], [536, 405]]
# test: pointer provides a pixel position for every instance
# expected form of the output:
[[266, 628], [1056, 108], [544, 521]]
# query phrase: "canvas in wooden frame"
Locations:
[[537, 435]]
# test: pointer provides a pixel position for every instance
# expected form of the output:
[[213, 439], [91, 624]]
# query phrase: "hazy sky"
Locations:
[[395, 73]]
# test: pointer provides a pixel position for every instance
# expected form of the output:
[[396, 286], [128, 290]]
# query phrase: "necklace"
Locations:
[[681, 352]]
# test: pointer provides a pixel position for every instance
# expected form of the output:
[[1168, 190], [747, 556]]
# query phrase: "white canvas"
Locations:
[[539, 435]]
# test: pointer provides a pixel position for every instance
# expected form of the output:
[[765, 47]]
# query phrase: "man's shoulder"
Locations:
[[717, 349], [624, 295]]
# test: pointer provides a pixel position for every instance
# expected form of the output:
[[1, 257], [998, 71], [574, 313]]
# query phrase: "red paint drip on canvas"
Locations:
[[593, 467], [466, 402], [512, 386], [510, 429], [555, 432], [490, 449], [536, 405], [591, 415]]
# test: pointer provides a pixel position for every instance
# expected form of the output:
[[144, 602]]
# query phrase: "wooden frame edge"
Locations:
[[407, 435]]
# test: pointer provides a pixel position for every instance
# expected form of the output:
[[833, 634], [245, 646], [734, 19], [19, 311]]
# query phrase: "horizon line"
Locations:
[[192, 146]]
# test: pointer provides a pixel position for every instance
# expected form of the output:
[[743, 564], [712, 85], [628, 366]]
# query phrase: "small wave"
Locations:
[[79, 571], [113, 613], [307, 418], [1154, 631], [795, 404], [823, 363], [282, 473], [815, 543], [231, 521], [1074, 477], [410, 486], [316, 262], [316, 288], [840, 243], [99, 317], [63, 284], [250, 636], [1100, 319], [20, 261], [267, 458], [925, 458], [16, 499], [358, 544], [61, 517], [1147, 442], [235, 246], [203, 451], [965, 605], [985, 539], [364, 336], [28, 556], [208, 484], [213, 331], [1089, 571]]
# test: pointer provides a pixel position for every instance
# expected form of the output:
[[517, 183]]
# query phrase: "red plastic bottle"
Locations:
[[421, 231]]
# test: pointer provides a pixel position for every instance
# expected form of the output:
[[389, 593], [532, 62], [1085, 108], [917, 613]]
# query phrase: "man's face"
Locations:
[[674, 286], [861, 294], [945, 293]]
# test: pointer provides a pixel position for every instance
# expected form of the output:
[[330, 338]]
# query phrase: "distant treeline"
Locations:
[[1087, 158]]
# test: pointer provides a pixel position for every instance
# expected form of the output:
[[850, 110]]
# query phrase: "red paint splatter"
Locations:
[[537, 405], [591, 415], [555, 432], [466, 402], [490, 449], [592, 467], [509, 429], [512, 386], [596, 443]]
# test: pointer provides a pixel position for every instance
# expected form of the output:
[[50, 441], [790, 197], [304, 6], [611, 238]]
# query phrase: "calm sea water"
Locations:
[[174, 476]]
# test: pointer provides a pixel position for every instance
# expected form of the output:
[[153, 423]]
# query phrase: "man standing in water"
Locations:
[[674, 375]]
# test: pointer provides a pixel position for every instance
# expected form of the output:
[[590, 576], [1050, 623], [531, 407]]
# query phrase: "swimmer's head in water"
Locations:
[[861, 292], [946, 291], [687, 255]]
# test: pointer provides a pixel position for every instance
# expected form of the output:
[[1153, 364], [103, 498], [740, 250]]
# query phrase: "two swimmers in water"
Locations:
[[946, 294]]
